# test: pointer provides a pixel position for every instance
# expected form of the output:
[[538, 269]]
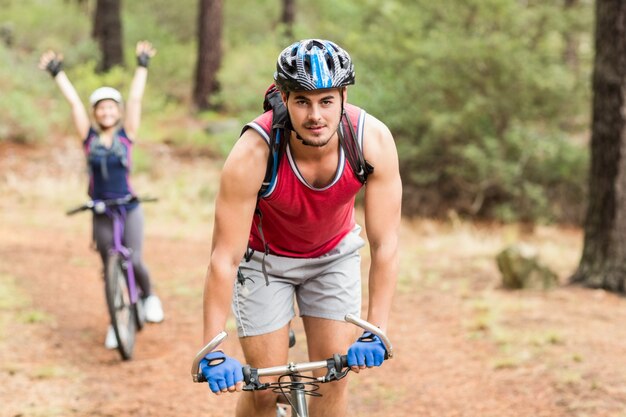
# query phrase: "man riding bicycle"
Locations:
[[300, 239]]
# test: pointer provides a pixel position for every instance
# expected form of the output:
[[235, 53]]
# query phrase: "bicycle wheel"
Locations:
[[123, 313]]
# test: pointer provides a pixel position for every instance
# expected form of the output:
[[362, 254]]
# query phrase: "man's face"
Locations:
[[315, 115]]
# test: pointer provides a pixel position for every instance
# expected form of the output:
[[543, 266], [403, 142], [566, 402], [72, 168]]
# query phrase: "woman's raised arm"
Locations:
[[144, 52], [53, 63]]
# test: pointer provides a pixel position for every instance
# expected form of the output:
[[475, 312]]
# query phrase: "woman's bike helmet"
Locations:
[[105, 93], [313, 64]]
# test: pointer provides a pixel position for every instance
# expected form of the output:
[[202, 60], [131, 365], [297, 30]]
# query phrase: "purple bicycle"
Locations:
[[121, 290]]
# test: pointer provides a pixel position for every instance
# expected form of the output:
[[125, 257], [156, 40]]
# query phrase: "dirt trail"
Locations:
[[464, 347]]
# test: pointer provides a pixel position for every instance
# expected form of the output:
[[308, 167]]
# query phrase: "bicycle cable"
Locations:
[[309, 387]]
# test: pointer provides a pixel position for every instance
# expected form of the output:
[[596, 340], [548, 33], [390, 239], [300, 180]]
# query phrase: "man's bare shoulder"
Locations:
[[374, 125], [378, 139], [250, 145], [246, 163]]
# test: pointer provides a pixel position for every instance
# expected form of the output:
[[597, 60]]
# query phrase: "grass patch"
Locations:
[[79, 261], [11, 300], [180, 286], [32, 410], [15, 306], [49, 372], [10, 296], [187, 291], [569, 377], [512, 327], [505, 363], [33, 317]]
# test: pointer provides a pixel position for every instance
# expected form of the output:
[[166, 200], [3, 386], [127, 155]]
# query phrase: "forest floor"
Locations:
[[464, 347]]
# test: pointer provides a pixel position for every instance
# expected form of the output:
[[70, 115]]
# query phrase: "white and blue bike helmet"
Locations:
[[313, 64]]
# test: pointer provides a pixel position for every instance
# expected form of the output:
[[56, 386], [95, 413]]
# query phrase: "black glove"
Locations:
[[143, 59], [54, 66]]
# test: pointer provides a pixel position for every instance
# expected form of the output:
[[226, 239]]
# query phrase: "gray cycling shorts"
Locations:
[[327, 287]]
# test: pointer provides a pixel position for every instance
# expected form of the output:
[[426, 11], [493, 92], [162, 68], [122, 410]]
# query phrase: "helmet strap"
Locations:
[[343, 109]]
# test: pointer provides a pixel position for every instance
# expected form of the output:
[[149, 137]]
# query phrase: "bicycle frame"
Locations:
[[117, 213], [118, 217], [336, 369]]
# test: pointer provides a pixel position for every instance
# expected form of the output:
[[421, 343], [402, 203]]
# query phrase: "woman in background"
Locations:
[[108, 145]]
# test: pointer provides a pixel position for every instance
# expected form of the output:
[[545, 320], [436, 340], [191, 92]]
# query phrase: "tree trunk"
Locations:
[[107, 31], [209, 53], [288, 16], [603, 261]]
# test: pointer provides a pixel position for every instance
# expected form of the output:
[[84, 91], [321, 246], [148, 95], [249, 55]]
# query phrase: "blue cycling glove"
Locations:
[[220, 371], [368, 350]]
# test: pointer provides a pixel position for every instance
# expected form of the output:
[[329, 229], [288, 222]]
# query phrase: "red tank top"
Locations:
[[301, 221]]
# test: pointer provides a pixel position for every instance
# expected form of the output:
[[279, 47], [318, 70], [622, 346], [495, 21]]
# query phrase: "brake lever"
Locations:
[[196, 375], [337, 368], [367, 326]]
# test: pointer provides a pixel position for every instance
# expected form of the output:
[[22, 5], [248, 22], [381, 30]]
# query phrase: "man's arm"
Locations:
[[383, 195], [241, 179]]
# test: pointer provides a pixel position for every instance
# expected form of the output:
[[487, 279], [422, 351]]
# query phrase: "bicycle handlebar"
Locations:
[[210, 347], [365, 325], [335, 365], [100, 206]]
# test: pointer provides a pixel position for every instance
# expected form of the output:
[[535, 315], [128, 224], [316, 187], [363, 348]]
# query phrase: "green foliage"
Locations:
[[142, 161], [16, 106], [479, 95], [86, 80], [167, 25], [160, 20], [245, 81], [51, 24], [25, 25], [248, 23], [476, 98]]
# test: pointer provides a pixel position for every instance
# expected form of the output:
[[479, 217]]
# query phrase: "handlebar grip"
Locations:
[[344, 361], [84, 207], [247, 374], [73, 211]]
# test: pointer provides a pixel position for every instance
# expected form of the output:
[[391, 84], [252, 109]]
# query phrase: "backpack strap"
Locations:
[[266, 246], [278, 135], [354, 152], [280, 129]]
